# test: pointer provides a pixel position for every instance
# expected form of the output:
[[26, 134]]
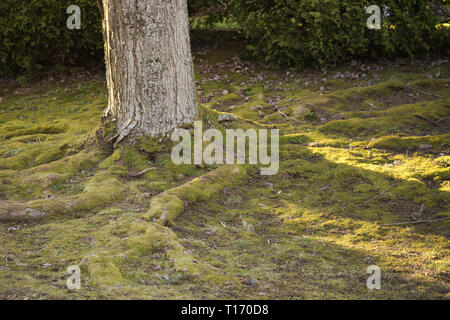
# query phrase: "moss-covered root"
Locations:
[[101, 189], [166, 207], [106, 267], [150, 236]]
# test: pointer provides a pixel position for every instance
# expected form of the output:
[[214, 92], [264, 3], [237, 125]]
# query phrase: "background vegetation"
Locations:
[[295, 32], [284, 32], [34, 35]]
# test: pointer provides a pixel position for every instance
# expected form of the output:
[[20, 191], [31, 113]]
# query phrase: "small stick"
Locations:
[[442, 120], [415, 222], [427, 93], [287, 117], [140, 173], [379, 195], [372, 106], [427, 120]]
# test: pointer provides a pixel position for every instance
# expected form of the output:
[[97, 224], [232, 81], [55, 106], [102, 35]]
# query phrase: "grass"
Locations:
[[353, 166]]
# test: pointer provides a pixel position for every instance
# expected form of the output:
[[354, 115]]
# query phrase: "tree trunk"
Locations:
[[148, 66]]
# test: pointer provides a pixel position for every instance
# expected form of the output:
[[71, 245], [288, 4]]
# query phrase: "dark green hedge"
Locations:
[[293, 32], [33, 33]]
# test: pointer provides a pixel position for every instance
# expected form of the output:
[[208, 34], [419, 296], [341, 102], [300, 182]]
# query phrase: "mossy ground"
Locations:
[[369, 150]]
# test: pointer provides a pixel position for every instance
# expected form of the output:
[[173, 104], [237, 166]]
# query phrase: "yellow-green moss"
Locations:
[[332, 210], [169, 205]]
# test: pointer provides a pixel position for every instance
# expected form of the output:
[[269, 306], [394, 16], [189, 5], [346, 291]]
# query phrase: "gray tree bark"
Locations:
[[148, 66]]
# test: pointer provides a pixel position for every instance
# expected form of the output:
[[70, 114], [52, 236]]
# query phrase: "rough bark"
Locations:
[[149, 66]]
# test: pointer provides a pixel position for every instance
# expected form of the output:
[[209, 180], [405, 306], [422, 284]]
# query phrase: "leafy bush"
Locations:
[[207, 12], [292, 32], [34, 34]]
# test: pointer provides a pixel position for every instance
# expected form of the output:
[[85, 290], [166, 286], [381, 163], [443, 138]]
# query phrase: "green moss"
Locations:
[[329, 213], [112, 159], [295, 139], [411, 143], [10, 132], [108, 130], [147, 244], [169, 205], [152, 145], [165, 208], [104, 272]]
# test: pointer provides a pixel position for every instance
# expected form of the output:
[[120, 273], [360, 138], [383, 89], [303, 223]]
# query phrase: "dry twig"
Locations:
[[415, 222], [379, 195], [134, 175]]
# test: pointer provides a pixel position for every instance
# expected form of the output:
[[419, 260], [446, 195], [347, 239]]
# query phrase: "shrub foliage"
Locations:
[[33, 33], [299, 32]]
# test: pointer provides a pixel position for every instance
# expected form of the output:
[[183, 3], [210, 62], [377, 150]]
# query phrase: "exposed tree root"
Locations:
[[71, 164], [100, 190], [165, 208], [170, 204], [104, 266]]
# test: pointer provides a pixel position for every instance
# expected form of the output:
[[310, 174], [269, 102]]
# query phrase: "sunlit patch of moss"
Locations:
[[166, 207], [151, 145], [411, 143], [349, 193]]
